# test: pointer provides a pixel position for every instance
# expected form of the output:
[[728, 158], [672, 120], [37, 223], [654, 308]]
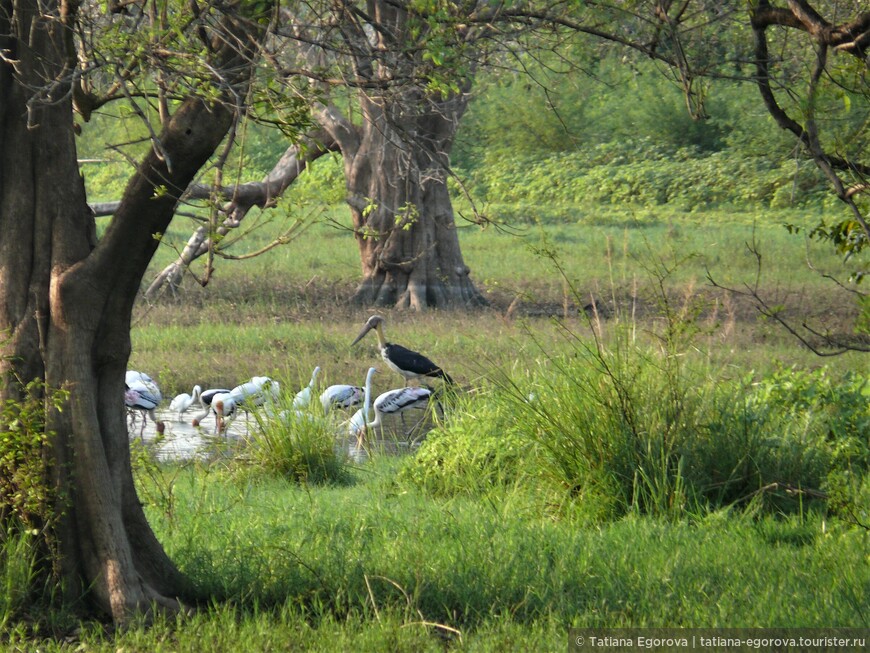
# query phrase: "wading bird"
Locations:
[[184, 401], [205, 400], [410, 364], [399, 400], [341, 396], [390, 402], [246, 396], [303, 397], [142, 393], [359, 422]]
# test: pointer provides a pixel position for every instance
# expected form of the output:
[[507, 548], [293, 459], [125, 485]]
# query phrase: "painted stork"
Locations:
[[399, 400], [341, 396], [184, 401], [251, 394], [303, 397], [410, 364], [142, 393], [359, 422], [205, 400], [388, 403]]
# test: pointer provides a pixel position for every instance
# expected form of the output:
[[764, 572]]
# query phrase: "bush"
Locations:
[[626, 424], [644, 174], [481, 449], [617, 431], [298, 446]]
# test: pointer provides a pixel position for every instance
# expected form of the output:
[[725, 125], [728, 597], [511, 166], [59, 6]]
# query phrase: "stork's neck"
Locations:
[[382, 340], [367, 396]]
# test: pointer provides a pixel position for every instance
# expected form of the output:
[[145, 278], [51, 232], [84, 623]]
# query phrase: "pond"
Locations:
[[182, 441]]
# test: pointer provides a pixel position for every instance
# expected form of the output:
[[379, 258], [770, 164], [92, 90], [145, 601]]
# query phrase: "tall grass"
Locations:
[[630, 418], [296, 444], [17, 573]]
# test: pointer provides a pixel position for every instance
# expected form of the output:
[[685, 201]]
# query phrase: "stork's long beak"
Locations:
[[365, 330]]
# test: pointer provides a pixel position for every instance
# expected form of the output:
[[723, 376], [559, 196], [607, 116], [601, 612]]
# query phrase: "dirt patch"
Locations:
[[819, 315]]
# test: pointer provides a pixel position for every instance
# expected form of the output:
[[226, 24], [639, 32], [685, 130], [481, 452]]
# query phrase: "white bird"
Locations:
[[399, 400], [184, 401], [303, 397], [205, 400], [251, 394], [142, 393], [387, 403], [356, 426], [341, 396]]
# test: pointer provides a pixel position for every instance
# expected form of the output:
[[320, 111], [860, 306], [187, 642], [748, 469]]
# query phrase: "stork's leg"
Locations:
[[230, 420], [415, 426]]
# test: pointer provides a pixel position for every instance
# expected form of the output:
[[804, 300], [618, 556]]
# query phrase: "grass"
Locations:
[[379, 566], [375, 545], [293, 547], [292, 301]]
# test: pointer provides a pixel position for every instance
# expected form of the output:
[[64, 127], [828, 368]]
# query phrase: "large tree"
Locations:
[[396, 154], [66, 297], [385, 62], [395, 80]]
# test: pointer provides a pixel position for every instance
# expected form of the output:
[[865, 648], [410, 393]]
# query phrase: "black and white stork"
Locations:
[[205, 400], [398, 401], [141, 393], [182, 402], [341, 396], [390, 402], [410, 364], [250, 394]]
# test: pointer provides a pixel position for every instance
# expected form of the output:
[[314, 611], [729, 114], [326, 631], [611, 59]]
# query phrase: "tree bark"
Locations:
[[66, 300], [396, 164]]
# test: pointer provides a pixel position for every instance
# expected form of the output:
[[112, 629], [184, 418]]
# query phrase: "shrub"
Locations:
[[480, 449], [299, 446], [629, 424]]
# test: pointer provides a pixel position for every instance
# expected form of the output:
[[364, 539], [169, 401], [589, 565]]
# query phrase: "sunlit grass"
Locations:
[[365, 548], [598, 249]]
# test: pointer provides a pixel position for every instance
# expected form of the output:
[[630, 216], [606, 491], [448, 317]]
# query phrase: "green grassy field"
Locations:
[[292, 301], [702, 471], [375, 566]]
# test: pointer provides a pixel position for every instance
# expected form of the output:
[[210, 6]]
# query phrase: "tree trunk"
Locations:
[[66, 300], [396, 165]]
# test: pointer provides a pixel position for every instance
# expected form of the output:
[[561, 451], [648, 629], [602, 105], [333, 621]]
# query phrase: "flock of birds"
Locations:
[[143, 394]]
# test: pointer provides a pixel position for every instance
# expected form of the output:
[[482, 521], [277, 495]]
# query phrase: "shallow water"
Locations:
[[182, 441]]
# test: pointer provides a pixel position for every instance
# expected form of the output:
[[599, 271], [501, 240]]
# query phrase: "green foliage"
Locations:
[[826, 418], [619, 429], [321, 183], [25, 490], [479, 450], [18, 572], [545, 111], [296, 445], [643, 174], [613, 424], [27, 498]]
